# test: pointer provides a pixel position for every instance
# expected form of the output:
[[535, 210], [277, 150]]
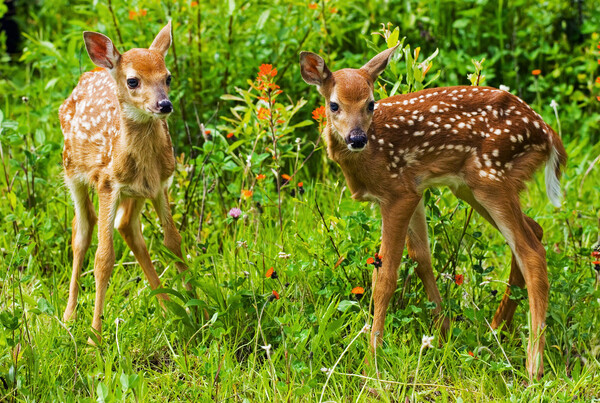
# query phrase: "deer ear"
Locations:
[[313, 68], [101, 50], [163, 40], [376, 65]]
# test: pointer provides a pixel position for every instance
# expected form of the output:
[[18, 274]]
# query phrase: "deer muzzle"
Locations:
[[356, 140]]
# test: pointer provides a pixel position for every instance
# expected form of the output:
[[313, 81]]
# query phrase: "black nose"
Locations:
[[165, 106], [357, 139]]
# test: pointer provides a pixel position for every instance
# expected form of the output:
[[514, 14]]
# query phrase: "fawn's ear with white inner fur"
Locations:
[[163, 40], [313, 68], [377, 64], [101, 50]]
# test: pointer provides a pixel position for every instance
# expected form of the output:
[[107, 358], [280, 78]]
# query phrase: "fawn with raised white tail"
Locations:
[[481, 142], [117, 141]]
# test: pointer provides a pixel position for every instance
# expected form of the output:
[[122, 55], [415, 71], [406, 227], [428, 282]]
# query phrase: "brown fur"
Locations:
[[482, 142], [117, 141]]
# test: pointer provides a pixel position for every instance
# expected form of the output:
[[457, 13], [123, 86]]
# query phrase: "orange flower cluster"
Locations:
[[193, 4], [376, 261], [536, 72], [319, 114], [260, 177], [459, 279], [246, 194], [133, 14], [264, 79], [263, 113]]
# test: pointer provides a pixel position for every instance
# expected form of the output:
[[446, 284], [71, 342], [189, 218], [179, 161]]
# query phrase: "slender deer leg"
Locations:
[[507, 307], [105, 254], [396, 218], [129, 226], [172, 237], [417, 244], [83, 228], [531, 258]]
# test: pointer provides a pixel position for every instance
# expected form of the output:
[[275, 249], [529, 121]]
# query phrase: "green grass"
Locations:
[[179, 355], [213, 344]]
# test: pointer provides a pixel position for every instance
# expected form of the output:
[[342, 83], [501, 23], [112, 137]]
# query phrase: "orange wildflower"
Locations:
[[286, 177], [269, 273], [300, 184], [132, 14], [459, 279], [370, 260], [193, 4], [536, 72], [246, 194], [313, 6], [143, 12], [260, 177], [206, 131], [230, 135], [275, 294], [358, 290], [319, 113], [471, 354], [263, 114], [267, 70], [333, 10], [597, 80]]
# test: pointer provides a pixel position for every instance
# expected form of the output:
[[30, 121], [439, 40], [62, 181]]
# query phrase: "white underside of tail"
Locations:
[[552, 183]]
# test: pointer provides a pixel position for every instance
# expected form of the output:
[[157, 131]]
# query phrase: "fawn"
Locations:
[[117, 140], [481, 142]]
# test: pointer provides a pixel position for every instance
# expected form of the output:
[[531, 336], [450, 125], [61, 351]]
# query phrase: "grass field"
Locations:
[[296, 335]]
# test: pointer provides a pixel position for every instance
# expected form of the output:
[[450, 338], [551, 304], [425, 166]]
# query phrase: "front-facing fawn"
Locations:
[[117, 141], [481, 142]]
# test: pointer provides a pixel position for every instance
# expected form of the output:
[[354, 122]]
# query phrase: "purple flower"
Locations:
[[235, 213]]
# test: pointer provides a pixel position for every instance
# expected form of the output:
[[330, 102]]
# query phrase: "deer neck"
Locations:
[[359, 168], [143, 157]]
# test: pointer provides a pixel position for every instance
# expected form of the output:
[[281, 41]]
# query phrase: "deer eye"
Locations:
[[133, 83], [371, 106], [169, 80], [334, 107]]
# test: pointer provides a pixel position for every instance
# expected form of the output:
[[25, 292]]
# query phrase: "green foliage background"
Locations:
[[218, 49]]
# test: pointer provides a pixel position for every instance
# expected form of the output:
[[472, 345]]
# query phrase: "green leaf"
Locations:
[[460, 23], [9, 321], [101, 392], [262, 19], [302, 124], [124, 382], [40, 136], [393, 38], [168, 291], [229, 97], [45, 306], [346, 304], [51, 83]]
